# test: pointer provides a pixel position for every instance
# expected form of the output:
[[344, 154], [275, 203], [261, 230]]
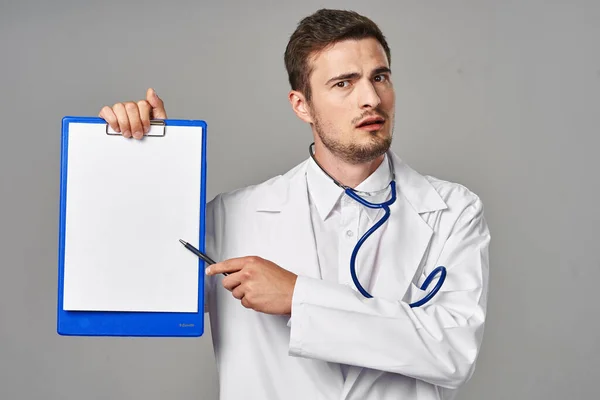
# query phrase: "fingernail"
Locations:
[[207, 270], [138, 134]]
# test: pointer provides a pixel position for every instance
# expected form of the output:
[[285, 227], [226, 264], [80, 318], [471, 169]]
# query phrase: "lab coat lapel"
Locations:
[[406, 237], [286, 217]]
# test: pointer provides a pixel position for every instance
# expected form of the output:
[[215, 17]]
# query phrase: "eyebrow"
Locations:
[[343, 77], [354, 75], [382, 70]]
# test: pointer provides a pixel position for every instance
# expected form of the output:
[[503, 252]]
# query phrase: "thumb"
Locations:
[[158, 108]]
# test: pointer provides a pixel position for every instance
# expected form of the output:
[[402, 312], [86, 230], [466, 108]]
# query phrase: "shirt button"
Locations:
[[349, 233]]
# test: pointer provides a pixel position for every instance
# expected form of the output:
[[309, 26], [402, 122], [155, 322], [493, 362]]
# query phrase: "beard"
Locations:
[[353, 153]]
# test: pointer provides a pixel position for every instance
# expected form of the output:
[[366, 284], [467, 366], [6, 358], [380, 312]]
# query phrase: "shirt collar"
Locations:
[[323, 191], [326, 194]]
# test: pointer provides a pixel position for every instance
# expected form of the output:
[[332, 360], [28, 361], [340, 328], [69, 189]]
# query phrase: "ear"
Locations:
[[300, 106]]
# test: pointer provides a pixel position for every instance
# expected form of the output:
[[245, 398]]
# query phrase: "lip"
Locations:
[[372, 121]]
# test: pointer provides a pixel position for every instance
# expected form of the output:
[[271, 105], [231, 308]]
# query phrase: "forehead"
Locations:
[[352, 55]]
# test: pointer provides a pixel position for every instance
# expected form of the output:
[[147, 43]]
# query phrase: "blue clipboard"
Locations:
[[163, 293]]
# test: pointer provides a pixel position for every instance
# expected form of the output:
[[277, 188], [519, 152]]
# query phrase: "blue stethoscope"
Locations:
[[386, 207]]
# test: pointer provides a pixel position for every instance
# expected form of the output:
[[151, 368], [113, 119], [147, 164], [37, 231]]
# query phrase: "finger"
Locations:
[[145, 110], [123, 119], [239, 292], [135, 122], [109, 116], [229, 266], [231, 281], [246, 302], [158, 107]]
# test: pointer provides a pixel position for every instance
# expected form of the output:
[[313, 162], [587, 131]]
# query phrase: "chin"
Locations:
[[369, 148], [360, 146]]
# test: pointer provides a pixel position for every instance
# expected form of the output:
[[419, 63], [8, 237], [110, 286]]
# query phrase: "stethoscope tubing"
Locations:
[[386, 207]]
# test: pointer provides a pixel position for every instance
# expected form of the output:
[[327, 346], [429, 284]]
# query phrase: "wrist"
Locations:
[[290, 297]]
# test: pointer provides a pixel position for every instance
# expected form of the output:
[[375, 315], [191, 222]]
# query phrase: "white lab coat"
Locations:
[[396, 352]]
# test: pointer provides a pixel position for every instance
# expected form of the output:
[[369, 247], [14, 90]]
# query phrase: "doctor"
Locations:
[[289, 322]]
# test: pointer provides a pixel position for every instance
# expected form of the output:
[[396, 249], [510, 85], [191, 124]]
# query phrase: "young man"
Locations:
[[291, 321]]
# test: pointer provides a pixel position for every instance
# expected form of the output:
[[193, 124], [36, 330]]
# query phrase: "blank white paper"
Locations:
[[128, 203]]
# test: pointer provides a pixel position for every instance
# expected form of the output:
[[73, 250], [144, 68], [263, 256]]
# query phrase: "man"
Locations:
[[289, 321]]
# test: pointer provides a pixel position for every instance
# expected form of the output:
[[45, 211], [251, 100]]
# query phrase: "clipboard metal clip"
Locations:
[[157, 128]]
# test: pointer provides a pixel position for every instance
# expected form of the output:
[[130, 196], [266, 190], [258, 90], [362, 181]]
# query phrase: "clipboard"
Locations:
[[124, 205]]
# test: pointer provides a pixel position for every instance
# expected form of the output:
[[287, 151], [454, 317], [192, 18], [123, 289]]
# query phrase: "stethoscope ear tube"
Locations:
[[436, 289]]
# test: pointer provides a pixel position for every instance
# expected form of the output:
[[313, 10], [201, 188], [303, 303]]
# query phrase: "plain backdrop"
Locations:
[[501, 96]]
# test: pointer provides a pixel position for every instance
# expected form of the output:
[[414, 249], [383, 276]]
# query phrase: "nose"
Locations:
[[368, 96]]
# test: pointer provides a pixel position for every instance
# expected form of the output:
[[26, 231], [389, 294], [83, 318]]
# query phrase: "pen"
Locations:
[[200, 254]]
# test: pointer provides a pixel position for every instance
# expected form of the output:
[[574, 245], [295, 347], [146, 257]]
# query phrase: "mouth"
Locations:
[[371, 123]]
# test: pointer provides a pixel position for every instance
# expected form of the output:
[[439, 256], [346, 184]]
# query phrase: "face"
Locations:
[[352, 104]]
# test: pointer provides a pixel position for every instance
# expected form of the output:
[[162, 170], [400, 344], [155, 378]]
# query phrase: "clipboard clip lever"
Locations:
[[157, 128]]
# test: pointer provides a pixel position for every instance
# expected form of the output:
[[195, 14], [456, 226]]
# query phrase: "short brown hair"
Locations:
[[320, 30]]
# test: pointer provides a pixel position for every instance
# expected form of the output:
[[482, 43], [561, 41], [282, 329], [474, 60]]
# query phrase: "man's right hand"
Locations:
[[133, 119]]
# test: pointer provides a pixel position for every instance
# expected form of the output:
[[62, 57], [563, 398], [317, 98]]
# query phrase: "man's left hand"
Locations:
[[260, 284]]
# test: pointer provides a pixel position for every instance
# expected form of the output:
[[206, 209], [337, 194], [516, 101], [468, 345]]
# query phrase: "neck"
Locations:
[[346, 173]]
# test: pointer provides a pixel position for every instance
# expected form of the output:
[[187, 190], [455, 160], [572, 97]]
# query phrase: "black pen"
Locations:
[[200, 254]]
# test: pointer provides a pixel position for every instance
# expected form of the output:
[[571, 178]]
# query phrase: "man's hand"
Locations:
[[260, 284], [133, 119]]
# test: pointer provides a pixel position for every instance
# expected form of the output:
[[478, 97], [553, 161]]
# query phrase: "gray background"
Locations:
[[503, 97]]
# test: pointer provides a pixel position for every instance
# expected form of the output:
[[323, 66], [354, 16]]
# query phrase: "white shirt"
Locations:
[[339, 222]]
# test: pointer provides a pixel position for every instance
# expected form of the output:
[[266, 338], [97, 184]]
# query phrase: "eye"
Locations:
[[380, 78], [342, 84]]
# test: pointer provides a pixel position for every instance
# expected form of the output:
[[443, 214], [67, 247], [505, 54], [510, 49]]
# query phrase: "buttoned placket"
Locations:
[[349, 236]]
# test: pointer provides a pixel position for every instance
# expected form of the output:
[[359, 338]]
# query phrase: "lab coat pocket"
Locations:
[[414, 293], [434, 308]]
